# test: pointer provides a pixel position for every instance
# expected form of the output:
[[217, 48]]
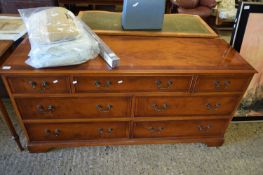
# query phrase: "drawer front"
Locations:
[[77, 131], [39, 84], [187, 128], [65, 108], [223, 84], [117, 84], [185, 105]]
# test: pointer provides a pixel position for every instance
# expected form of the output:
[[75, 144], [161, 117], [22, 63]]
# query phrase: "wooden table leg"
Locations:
[[10, 125]]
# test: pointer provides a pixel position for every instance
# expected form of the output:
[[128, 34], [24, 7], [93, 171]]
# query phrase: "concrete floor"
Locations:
[[242, 154]]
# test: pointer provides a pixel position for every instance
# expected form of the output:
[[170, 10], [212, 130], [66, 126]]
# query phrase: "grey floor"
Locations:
[[242, 154]]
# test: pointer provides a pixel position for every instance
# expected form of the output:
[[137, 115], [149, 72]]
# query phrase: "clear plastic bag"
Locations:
[[57, 38]]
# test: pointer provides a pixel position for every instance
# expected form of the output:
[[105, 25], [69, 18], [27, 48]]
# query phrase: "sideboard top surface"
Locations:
[[141, 55]]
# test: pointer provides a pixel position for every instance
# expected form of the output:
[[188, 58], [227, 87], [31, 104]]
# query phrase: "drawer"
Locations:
[[117, 84], [77, 131], [183, 128], [224, 84], [66, 108], [185, 105], [39, 84]]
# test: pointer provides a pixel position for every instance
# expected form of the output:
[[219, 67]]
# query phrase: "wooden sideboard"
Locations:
[[166, 90]]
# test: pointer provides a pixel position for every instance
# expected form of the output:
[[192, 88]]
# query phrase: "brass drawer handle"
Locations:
[[161, 108], [110, 131], [221, 86], [106, 84], [202, 128], [44, 85], [101, 131], [226, 84], [106, 109], [217, 84], [157, 129], [47, 132], [41, 109], [33, 84], [56, 132], [102, 109], [160, 86], [211, 107]]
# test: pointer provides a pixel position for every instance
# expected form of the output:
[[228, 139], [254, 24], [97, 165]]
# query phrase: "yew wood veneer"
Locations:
[[166, 90]]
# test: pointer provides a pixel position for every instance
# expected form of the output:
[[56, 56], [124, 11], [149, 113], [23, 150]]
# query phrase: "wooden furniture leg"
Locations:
[[10, 125]]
